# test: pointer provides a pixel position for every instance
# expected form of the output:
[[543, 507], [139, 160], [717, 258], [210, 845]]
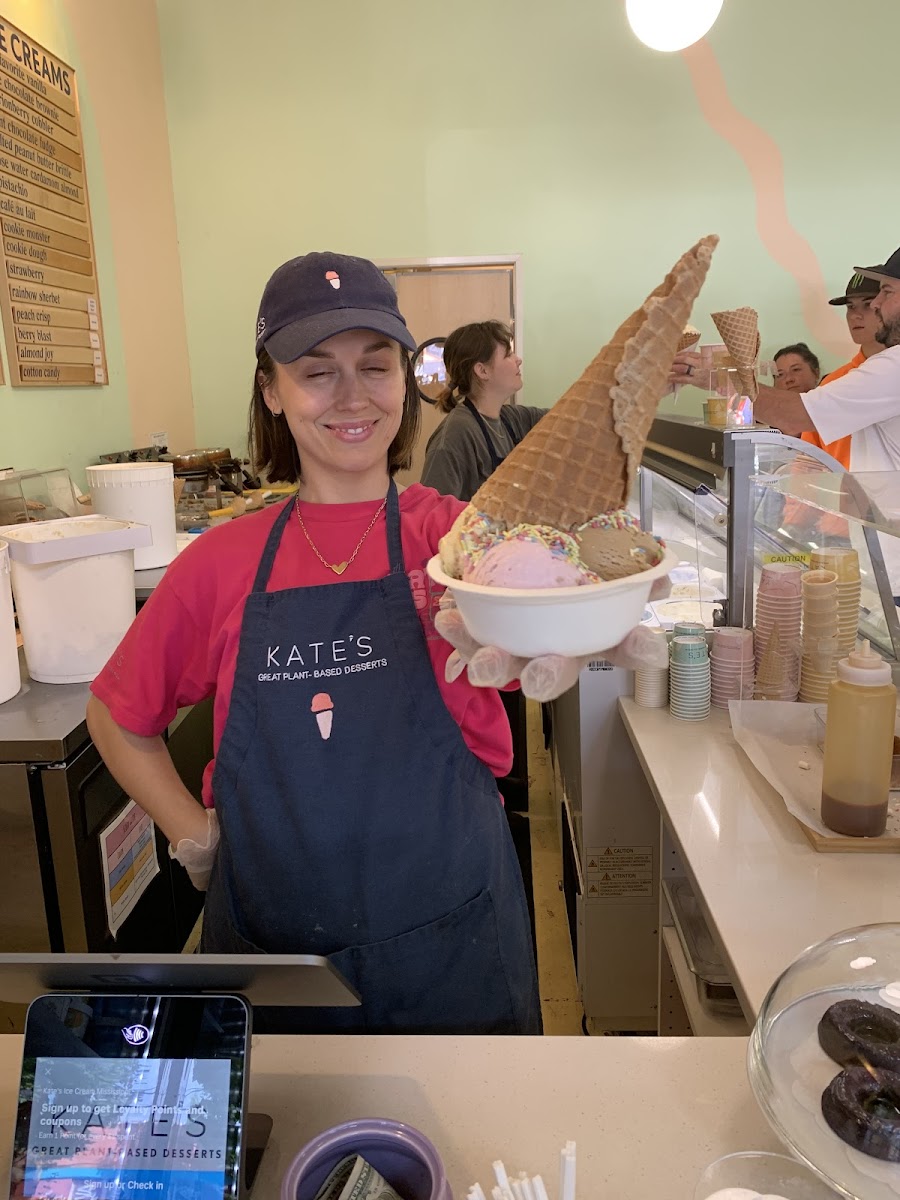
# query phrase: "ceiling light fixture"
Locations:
[[670, 25]]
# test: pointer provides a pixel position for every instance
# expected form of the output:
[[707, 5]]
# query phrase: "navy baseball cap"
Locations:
[[313, 297], [860, 287], [890, 270]]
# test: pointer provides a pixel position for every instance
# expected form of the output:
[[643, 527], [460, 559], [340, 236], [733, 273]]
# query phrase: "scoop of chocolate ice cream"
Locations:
[[613, 553]]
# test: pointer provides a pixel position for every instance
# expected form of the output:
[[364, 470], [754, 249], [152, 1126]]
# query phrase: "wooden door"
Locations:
[[434, 301]]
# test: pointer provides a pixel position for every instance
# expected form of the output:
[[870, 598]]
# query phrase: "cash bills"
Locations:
[[355, 1179]]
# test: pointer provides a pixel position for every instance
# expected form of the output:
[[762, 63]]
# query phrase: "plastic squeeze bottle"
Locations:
[[859, 745]]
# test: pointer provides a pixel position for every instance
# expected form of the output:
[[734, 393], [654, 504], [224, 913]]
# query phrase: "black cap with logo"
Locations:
[[890, 269], [860, 287], [318, 295]]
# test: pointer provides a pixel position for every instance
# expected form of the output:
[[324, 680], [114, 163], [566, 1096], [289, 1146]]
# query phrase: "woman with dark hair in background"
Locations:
[[481, 427], [797, 369]]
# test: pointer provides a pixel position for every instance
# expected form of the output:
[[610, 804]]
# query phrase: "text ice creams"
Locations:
[[553, 513]]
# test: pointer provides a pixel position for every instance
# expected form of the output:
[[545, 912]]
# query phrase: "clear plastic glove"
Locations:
[[196, 858], [550, 675]]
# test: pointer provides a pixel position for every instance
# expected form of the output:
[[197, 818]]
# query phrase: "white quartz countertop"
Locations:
[[767, 894], [647, 1113]]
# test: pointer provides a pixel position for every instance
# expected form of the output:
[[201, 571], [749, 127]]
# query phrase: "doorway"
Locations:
[[438, 294]]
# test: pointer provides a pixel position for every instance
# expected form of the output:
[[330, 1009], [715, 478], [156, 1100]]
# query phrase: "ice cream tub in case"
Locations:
[[572, 621]]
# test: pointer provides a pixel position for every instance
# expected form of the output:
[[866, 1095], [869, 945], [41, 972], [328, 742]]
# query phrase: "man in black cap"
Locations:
[[864, 404]]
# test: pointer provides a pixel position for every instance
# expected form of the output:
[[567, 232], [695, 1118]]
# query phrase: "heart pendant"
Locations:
[[339, 568]]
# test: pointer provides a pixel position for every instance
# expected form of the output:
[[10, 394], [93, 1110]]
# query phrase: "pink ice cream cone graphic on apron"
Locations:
[[322, 708]]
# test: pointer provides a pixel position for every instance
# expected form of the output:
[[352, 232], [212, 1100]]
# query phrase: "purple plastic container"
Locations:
[[405, 1157]]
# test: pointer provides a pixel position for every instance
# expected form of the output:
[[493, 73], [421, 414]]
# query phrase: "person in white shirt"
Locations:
[[864, 404]]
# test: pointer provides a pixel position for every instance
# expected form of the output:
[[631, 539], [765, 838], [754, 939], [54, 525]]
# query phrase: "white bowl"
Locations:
[[572, 621]]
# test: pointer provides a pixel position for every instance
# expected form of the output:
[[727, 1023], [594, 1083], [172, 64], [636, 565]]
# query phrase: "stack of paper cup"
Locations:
[[845, 564], [731, 666], [651, 684], [689, 684], [779, 606], [820, 647], [688, 629]]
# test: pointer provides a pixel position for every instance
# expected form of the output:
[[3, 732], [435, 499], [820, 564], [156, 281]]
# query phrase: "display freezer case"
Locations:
[[728, 501]]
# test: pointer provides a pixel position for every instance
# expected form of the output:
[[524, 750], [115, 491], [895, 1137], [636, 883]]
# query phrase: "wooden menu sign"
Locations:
[[48, 292]]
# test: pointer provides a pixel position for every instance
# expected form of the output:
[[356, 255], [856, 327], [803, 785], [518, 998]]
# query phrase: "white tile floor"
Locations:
[[560, 1004]]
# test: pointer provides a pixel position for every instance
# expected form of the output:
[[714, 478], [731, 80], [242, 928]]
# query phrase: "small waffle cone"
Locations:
[[770, 674], [582, 458], [739, 330], [689, 337]]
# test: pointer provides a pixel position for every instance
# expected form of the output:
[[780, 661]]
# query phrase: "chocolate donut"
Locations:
[[863, 1108], [853, 1032]]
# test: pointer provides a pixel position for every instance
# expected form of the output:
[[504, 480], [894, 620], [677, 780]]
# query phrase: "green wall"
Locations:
[[407, 129], [70, 426]]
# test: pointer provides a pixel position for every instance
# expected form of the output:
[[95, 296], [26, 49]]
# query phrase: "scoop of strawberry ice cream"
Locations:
[[525, 563]]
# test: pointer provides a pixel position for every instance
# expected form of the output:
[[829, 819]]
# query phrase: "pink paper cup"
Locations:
[[780, 579]]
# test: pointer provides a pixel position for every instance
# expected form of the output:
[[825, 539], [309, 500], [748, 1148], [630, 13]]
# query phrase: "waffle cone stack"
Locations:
[[770, 673], [739, 330], [581, 459]]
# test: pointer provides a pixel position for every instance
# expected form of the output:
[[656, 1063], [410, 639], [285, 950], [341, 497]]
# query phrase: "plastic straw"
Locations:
[[567, 1172], [501, 1175], [539, 1190]]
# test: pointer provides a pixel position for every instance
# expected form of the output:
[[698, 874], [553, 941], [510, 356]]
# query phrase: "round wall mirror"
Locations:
[[428, 366]]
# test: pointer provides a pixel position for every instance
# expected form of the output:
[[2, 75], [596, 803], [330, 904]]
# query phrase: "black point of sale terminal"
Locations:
[[135, 1068]]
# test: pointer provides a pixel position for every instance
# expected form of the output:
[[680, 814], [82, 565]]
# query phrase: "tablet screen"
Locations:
[[130, 1096]]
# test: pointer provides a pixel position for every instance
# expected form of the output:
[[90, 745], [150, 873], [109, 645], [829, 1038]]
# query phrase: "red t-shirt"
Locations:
[[183, 644]]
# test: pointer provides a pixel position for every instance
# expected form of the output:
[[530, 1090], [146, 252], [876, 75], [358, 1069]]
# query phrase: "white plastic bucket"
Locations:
[[10, 682], [73, 581], [141, 492]]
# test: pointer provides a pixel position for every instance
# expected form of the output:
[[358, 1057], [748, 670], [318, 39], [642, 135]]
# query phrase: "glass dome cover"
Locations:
[[789, 1071]]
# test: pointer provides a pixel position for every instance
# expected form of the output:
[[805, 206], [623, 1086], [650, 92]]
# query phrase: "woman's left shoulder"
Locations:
[[429, 511]]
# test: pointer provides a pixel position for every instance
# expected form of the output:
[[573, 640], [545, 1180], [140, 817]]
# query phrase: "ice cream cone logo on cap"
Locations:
[[334, 279], [322, 708]]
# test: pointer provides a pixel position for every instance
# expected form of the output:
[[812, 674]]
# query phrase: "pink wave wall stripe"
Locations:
[[762, 157]]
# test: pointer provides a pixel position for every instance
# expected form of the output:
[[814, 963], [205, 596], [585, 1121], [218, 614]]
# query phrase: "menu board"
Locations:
[[48, 293]]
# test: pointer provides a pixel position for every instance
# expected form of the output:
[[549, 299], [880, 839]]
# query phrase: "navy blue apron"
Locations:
[[495, 458], [355, 821]]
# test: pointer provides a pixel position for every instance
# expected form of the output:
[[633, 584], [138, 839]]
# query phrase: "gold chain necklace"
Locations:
[[340, 567]]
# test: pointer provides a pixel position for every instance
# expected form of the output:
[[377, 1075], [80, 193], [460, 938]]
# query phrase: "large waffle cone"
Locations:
[[739, 330], [582, 458]]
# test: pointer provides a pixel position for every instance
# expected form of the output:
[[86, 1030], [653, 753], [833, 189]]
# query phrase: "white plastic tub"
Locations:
[[572, 621], [141, 492], [73, 581], [10, 681]]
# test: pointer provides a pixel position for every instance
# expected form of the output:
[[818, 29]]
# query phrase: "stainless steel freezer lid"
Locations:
[[293, 980], [44, 722]]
